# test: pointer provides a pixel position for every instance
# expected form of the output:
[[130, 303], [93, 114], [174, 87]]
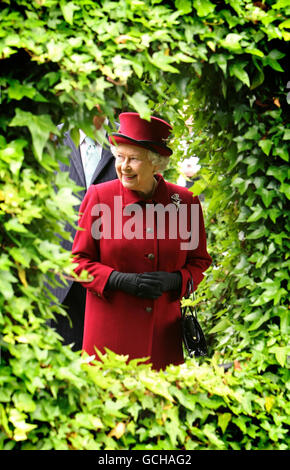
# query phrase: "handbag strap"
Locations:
[[192, 309]]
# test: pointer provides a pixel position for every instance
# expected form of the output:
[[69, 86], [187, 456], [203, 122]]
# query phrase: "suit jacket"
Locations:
[[105, 171]]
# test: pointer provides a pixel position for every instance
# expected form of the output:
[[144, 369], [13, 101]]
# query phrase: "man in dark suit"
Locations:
[[89, 164]]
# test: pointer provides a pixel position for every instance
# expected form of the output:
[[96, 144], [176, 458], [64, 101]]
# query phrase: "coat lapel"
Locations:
[[76, 159], [105, 158]]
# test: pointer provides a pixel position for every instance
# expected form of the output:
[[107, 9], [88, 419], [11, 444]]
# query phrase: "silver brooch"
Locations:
[[176, 200]]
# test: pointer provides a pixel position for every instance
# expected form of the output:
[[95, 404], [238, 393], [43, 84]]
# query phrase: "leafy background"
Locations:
[[218, 72]]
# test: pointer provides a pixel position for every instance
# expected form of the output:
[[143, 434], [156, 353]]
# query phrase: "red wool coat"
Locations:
[[135, 242]]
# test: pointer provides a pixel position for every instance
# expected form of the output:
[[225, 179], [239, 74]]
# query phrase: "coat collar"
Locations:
[[77, 159], [161, 194], [105, 159]]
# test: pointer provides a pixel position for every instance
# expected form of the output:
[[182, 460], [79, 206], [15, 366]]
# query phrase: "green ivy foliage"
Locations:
[[241, 135], [60, 401], [221, 68]]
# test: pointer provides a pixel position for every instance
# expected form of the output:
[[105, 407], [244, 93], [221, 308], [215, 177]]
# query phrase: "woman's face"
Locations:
[[134, 169]]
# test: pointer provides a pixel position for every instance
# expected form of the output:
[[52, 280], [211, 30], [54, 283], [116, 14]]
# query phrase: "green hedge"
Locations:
[[61, 402], [219, 66]]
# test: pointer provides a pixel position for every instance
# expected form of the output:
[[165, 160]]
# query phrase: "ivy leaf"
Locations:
[[259, 181], [262, 319], [222, 325], [23, 401], [88, 421], [203, 7], [163, 61], [223, 421], [159, 388], [238, 71], [6, 280], [257, 79], [241, 184], [257, 214], [254, 51], [267, 195], [210, 432], [232, 42], [17, 90], [221, 60], [285, 188], [21, 256], [280, 354], [184, 6], [253, 164], [22, 428], [139, 103], [75, 136], [68, 10], [252, 133], [258, 233], [13, 154], [285, 24], [282, 152], [118, 430], [55, 50], [265, 145], [280, 4], [15, 226], [40, 127], [138, 67], [272, 60]]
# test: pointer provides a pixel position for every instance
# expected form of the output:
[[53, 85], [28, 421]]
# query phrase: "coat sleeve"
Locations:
[[86, 248], [198, 260]]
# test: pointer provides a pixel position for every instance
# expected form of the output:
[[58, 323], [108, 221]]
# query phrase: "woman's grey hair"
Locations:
[[154, 157]]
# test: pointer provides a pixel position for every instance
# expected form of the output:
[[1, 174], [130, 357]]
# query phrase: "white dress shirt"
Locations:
[[89, 164]]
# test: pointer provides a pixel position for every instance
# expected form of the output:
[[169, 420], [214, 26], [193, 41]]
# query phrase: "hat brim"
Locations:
[[157, 147]]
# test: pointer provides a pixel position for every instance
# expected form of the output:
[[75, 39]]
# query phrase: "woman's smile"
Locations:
[[134, 169], [129, 177]]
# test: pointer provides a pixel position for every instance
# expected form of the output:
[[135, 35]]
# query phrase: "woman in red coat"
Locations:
[[142, 240]]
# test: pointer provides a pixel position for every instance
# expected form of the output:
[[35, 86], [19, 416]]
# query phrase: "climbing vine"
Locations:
[[218, 72]]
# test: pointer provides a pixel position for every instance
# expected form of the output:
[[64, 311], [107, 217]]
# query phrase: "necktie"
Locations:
[[91, 160]]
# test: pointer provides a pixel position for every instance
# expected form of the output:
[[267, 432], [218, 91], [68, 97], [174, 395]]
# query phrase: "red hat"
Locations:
[[151, 135]]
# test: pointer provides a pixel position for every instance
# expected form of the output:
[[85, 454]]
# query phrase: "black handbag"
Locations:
[[192, 334]]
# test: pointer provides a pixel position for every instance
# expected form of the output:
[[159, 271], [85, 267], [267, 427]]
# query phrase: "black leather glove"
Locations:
[[161, 280], [130, 283], [149, 288], [126, 282]]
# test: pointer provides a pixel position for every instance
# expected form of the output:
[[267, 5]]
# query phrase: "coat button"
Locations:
[[149, 230], [148, 309], [151, 256]]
